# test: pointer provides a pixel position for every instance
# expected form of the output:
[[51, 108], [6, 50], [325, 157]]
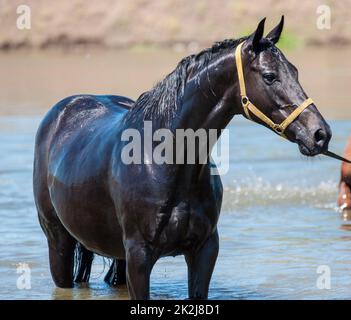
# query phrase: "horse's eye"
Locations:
[[269, 78]]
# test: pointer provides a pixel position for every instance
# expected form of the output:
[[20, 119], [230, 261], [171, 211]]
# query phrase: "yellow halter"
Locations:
[[249, 106]]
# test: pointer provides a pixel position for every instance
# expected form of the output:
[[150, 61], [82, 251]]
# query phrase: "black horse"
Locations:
[[89, 201]]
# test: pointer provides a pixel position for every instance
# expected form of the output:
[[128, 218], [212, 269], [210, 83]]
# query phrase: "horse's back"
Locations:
[[80, 111], [77, 122], [75, 109]]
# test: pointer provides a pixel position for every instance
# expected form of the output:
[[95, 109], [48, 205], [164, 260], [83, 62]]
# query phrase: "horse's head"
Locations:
[[272, 86]]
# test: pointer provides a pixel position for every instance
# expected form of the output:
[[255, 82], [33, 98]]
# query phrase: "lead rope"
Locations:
[[248, 106]]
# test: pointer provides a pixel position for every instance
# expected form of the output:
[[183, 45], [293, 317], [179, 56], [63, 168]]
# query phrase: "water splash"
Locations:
[[255, 191]]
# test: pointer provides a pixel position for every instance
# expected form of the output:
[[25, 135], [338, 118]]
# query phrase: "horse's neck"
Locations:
[[205, 110], [201, 106]]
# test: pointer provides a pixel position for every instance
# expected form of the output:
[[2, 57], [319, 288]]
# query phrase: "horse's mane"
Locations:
[[163, 99]]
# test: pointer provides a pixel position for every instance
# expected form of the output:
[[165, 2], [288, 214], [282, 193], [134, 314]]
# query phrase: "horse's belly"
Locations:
[[89, 216]]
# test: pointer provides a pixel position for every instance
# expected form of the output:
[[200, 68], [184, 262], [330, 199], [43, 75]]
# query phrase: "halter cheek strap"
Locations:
[[248, 106]]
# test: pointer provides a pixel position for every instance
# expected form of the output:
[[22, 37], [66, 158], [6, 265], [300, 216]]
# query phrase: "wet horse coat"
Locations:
[[87, 196], [80, 179]]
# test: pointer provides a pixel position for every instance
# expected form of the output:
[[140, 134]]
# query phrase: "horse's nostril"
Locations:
[[320, 136]]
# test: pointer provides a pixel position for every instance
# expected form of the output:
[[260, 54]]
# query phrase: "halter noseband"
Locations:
[[249, 106]]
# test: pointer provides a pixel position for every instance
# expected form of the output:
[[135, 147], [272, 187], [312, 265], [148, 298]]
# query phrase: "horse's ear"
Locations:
[[274, 35], [257, 35]]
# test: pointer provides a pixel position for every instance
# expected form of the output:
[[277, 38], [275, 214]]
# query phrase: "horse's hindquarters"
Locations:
[[73, 150]]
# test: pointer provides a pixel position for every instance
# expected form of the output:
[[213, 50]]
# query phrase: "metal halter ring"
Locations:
[[244, 100], [277, 128]]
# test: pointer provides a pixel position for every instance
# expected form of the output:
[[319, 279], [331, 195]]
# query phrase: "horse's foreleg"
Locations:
[[139, 266], [200, 268]]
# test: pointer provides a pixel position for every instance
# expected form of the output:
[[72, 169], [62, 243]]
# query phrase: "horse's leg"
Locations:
[[139, 266], [61, 251], [121, 272], [84, 259], [116, 275], [200, 268]]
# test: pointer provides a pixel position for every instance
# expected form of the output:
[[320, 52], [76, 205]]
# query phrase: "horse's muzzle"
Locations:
[[317, 143]]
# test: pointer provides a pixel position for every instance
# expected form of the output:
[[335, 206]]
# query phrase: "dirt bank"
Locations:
[[178, 23]]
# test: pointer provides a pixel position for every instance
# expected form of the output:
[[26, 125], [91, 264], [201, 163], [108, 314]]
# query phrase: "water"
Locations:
[[279, 223], [33, 81]]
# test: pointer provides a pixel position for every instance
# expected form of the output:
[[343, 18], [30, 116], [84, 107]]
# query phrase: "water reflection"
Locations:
[[346, 216], [94, 290]]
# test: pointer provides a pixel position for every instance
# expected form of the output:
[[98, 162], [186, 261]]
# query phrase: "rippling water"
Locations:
[[279, 223]]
